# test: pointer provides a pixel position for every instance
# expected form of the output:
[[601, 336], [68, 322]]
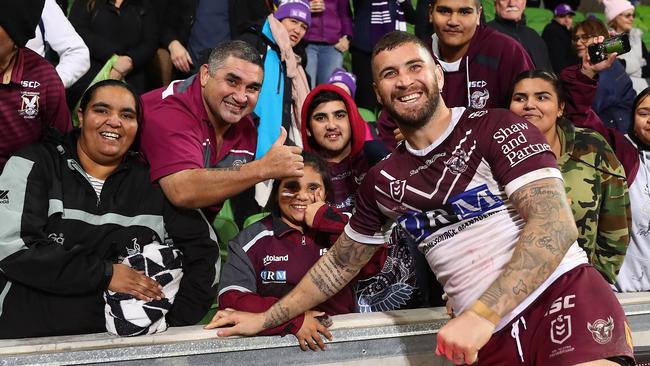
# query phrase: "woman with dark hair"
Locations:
[[635, 273], [267, 259], [76, 206], [593, 177], [614, 95]]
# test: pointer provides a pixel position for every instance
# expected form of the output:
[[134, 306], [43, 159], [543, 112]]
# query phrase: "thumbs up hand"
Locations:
[[282, 161]]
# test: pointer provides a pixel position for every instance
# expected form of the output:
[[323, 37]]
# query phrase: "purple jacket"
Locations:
[[331, 24]]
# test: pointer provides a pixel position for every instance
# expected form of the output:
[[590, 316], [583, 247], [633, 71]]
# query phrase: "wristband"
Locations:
[[485, 312]]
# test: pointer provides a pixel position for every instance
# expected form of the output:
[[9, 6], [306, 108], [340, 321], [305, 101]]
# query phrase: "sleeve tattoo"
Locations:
[[326, 278], [547, 234]]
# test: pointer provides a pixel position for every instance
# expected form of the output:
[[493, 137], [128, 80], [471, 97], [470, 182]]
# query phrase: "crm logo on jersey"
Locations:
[[279, 276], [474, 202]]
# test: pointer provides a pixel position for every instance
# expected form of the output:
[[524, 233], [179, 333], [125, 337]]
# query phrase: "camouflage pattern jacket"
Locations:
[[597, 188]]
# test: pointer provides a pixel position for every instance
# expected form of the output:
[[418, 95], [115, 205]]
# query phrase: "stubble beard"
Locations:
[[416, 119]]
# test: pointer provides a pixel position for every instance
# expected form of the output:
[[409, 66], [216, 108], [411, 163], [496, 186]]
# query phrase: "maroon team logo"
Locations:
[[397, 189], [29, 104], [457, 163], [601, 330], [561, 329]]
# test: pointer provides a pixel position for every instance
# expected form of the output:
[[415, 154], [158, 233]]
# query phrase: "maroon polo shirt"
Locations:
[[177, 134], [32, 97]]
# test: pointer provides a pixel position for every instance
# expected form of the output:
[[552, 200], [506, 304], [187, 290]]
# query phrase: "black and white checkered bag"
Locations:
[[128, 316]]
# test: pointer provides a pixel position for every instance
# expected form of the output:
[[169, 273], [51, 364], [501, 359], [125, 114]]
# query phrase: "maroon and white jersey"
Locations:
[[452, 197]]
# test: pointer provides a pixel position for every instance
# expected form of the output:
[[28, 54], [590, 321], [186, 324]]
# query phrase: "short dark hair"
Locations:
[[645, 93], [315, 162], [477, 3], [546, 76], [394, 39], [90, 93], [237, 49], [320, 98]]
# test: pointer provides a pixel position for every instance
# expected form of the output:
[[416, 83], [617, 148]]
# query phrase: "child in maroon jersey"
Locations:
[[267, 259]]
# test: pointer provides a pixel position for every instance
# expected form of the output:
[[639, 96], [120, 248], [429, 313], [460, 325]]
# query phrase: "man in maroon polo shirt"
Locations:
[[199, 138], [32, 96]]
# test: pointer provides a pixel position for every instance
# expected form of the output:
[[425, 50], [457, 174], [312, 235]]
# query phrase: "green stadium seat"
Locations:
[[255, 218], [368, 115]]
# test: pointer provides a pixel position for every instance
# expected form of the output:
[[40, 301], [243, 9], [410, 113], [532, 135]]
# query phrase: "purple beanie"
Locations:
[[295, 9], [341, 76]]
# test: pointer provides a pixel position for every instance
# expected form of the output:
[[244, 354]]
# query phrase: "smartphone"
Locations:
[[619, 43]]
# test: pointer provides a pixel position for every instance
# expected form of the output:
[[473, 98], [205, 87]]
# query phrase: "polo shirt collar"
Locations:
[[281, 229], [197, 96]]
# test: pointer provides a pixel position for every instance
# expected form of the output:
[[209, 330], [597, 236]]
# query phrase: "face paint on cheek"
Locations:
[[288, 194]]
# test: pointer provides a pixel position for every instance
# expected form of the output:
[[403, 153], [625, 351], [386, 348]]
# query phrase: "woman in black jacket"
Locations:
[[73, 207], [126, 28]]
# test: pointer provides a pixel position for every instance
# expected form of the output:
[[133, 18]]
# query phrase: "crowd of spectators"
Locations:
[[129, 124]]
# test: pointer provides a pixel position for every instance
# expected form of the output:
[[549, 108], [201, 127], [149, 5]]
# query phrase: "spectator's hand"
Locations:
[[343, 44], [115, 75], [123, 65], [243, 323], [180, 57], [129, 281], [312, 328], [462, 337], [398, 135], [282, 161], [591, 70], [312, 208], [317, 6]]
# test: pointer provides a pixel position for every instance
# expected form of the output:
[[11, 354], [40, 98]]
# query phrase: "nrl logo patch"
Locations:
[[29, 104], [397, 189], [561, 329], [601, 330]]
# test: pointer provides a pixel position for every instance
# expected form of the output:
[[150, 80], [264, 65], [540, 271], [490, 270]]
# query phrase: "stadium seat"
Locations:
[[255, 218], [367, 115]]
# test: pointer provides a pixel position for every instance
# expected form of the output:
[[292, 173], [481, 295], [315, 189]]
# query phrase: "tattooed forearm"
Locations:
[[277, 315], [546, 236], [327, 277]]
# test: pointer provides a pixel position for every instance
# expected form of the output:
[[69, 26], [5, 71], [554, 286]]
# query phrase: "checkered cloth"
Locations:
[[128, 316]]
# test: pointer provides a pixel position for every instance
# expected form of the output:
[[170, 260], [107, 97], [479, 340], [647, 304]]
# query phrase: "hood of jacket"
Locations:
[[357, 123]]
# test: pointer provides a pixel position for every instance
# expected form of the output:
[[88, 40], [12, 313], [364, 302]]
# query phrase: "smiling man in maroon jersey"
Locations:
[[480, 192]]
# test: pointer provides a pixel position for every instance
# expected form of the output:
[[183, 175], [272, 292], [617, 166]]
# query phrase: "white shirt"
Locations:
[[74, 57]]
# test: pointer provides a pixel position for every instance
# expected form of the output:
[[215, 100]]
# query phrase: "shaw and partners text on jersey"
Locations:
[[511, 140]]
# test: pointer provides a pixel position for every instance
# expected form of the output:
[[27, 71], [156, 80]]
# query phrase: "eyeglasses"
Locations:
[[583, 37], [628, 15]]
